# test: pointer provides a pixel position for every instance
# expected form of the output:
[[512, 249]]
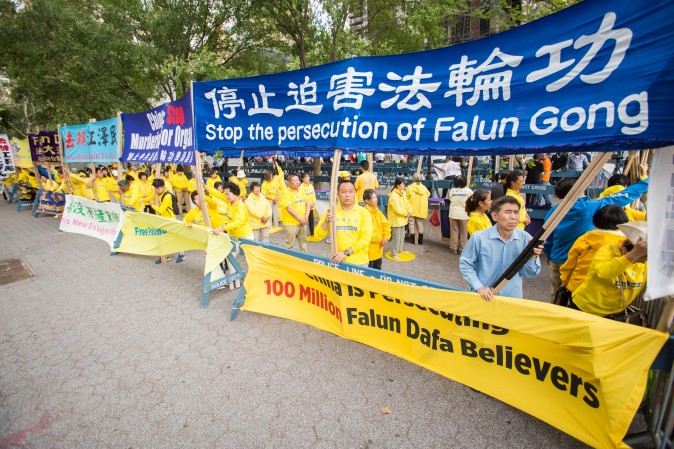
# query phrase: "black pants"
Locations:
[[149, 209], [444, 191], [311, 223], [376, 264]]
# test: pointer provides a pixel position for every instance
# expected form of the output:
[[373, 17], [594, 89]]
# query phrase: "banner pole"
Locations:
[[470, 170], [549, 226], [240, 161], [419, 163], [198, 156], [334, 178], [120, 146]]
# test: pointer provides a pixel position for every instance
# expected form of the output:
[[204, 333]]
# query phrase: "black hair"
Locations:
[[233, 188], [460, 182], [345, 181], [218, 184], [129, 178], [609, 217], [268, 175], [512, 177], [193, 194], [397, 182], [502, 201], [365, 165], [141, 173], [306, 173], [563, 187], [158, 183], [473, 201], [503, 174], [254, 184], [618, 180], [368, 193]]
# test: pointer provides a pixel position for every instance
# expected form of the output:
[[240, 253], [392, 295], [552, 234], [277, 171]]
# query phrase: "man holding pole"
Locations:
[[491, 251]]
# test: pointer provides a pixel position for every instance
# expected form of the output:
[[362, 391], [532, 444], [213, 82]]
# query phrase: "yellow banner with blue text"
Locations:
[[583, 374], [152, 235]]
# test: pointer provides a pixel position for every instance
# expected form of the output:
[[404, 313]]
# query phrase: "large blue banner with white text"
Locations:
[[598, 76], [163, 134], [91, 142]]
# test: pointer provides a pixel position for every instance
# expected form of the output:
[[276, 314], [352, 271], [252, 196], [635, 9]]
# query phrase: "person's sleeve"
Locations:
[[472, 224], [468, 262], [319, 233], [531, 268], [211, 202], [189, 217], [358, 183], [397, 204], [217, 194], [149, 196], [238, 219], [283, 200], [267, 211], [608, 266], [566, 269], [627, 195], [385, 227], [635, 215], [250, 205], [165, 204], [364, 233]]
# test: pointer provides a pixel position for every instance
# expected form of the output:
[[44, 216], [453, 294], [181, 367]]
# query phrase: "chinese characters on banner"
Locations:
[[6, 158], [602, 83], [661, 226], [44, 147], [163, 134], [50, 202], [88, 217], [91, 142]]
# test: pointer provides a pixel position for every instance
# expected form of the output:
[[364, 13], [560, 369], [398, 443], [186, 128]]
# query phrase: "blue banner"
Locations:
[[50, 202], [163, 134], [597, 76], [91, 142]]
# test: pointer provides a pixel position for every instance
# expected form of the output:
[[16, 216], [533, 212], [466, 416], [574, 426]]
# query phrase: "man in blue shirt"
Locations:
[[578, 221], [490, 252]]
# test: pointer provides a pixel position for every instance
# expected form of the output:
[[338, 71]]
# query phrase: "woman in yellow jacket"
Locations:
[[514, 182], [259, 210], [381, 229], [145, 192], [606, 232], [196, 215], [399, 211], [308, 188], [476, 207], [237, 223], [417, 194], [616, 272]]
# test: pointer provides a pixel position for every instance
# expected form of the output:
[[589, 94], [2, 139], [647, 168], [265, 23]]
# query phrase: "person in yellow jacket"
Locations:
[[353, 224], [196, 215], [28, 185], [237, 222], [79, 182], [271, 190], [259, 211], [192, 184], [99, 185], [514, 182], [618, 183], [132, 171], [213, 177], [477, 206], [164, 209], [180, 188], [398, 211], [364, 181], [606, 220], [381, 230], [146, 192], [615, 267], [48, 184], [417, 194], [308, 188], [295, 210], [127, 196], [241, 181], [166, 176]]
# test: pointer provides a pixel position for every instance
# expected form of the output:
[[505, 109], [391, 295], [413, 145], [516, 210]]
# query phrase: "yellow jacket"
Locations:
[[100, 187], [354, 230], [417, 194], [50, 185], [599, 294], [398, 208], [574, 271], [211, 181], [309, 192], [523, 208], [279, 178], [242, 183], [270, 189], [367, 180], [167, 184], [258, 207], [295, 198], [237, 222], [145, 191], [192, 184], [130, 198], [180, 181], [477, 222], [165, 208], [381, 229], [633, 215], [195, 215]]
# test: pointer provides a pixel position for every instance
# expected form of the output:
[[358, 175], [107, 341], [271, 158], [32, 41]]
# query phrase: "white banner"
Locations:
[[661, 225], [6, 158], [100, 220]]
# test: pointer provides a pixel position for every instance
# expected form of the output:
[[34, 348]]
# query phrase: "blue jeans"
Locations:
[[545, 196]]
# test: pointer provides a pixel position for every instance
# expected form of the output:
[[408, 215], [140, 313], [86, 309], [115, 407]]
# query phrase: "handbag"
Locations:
[[563, 297], [435, 218], [630, 314]]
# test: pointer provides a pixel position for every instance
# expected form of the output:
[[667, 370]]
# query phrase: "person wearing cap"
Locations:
[[417, 194], [242, 182], [364, 181], [617, 274], [344, 175]]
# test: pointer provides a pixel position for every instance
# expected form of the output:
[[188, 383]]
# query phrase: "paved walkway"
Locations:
[[115, 352]]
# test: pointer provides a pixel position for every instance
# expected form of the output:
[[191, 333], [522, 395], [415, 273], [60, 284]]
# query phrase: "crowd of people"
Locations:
[[596, 266]]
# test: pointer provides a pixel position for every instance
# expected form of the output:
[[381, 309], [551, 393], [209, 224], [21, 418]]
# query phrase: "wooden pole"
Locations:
[[470, 170], [200, 186], [511, 163], [419, 163], [120, 147], [334, 178], [549, 226], [240, 161]]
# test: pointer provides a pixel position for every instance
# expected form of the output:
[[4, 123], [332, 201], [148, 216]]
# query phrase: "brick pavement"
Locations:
[[115, 352]]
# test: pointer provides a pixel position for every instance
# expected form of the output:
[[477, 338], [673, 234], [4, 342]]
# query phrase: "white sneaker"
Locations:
[[231, 285], [237, 283]]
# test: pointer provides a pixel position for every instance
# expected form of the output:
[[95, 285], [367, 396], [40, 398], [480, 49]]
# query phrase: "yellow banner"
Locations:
[[21, 151], [582, 374], [152, 235]]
